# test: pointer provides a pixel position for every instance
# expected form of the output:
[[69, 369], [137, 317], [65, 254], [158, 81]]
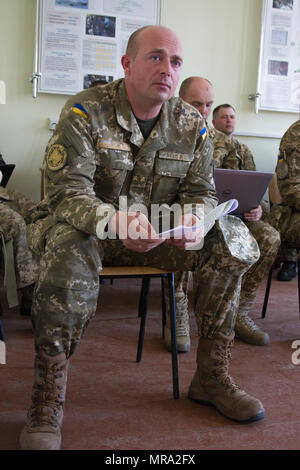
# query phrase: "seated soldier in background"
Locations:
[[228, 153], [268, 239], [285, 216], [198, 92], [14, 215]]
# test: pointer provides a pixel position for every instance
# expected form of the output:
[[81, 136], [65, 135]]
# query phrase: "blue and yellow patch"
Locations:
[[280, 158], [77, 108], [203, 132]]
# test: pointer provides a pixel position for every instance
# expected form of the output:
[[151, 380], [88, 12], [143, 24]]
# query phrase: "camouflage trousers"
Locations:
[[67, 291], [292, 235], [287, 222], [268, 240], [13, 211]]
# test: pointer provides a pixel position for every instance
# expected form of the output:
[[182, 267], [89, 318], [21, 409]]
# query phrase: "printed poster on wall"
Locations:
[[279, 76], [83, 40]]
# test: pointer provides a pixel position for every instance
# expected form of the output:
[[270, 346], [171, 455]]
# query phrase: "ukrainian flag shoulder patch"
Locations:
[[77, 108], [203, 132]]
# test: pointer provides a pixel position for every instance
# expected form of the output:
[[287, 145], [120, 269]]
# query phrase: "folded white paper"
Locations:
[[209, 219]]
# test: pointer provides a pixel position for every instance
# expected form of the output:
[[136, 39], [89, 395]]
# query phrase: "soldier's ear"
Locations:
[[126, 63]]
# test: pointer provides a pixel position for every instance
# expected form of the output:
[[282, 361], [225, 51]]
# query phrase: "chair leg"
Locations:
[[173, 335], [143, 300], [143, 304], [163, 306], [298, 274], [266, 299]]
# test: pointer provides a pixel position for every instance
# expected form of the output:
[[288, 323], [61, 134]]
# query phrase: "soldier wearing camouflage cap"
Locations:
[[285, 216], [131, 139]]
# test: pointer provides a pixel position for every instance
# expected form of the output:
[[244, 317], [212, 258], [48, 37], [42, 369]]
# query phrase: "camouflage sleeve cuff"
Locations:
[[103, 215]]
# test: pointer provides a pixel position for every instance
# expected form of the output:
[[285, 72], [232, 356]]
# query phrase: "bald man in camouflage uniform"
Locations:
[[104, 148], [228, 153], [15, 210], [257, 221], [285, 216]]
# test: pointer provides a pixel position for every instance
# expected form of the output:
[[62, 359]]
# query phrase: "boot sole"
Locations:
[[257, 417], [253, 343]]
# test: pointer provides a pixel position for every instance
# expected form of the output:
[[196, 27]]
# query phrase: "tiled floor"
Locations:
[[114, 403]]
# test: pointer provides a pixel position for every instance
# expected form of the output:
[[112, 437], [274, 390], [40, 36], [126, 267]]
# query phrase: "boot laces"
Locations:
[[48, 397], [248, 322], [182, 317], [222, 365]]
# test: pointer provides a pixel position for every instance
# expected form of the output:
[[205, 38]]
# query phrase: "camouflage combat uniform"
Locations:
[[286, 216], [14, 214], [267, 237], [232, 154], [183, 280], [97, 154]]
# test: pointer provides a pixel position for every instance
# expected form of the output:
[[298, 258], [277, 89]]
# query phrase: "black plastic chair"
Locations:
[[146, 273]]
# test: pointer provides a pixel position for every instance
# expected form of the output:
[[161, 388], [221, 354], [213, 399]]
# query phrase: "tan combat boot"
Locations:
[[182, 327], [42, 430], [212, 385], [246, 330]]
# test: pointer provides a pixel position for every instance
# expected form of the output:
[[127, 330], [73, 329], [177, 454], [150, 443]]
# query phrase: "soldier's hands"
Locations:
[[135, 231], [191, 239], [254, 215]]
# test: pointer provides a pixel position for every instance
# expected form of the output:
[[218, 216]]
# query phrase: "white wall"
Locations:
[[220, 41]]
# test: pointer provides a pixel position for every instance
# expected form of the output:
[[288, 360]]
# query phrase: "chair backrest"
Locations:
[[274, 193]]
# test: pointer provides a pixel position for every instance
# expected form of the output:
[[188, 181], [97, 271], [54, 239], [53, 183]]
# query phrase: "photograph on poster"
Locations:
[[98, 25], [283, 4], [73, 3], [278, 67], [90, 79], [279, 38]]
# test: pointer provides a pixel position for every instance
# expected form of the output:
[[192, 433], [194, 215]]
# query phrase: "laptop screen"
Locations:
[[248, 187]]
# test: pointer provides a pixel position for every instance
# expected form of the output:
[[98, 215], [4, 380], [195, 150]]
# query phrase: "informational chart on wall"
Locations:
[[279, 67], [81, 41]]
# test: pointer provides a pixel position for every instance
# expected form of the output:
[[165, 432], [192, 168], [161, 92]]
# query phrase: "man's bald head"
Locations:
[[135, 38], [198, 92]]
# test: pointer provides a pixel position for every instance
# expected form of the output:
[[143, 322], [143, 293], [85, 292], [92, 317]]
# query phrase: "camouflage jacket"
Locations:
[[223, 147], [288, 167], [98, 154], [237, 156]]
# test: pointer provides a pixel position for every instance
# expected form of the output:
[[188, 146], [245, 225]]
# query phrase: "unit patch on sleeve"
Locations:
[[203, 132], [78, 109], [56, 157], [282, 168]]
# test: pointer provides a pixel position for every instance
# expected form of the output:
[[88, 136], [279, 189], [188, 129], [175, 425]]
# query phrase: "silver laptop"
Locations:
[[248, 187]]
